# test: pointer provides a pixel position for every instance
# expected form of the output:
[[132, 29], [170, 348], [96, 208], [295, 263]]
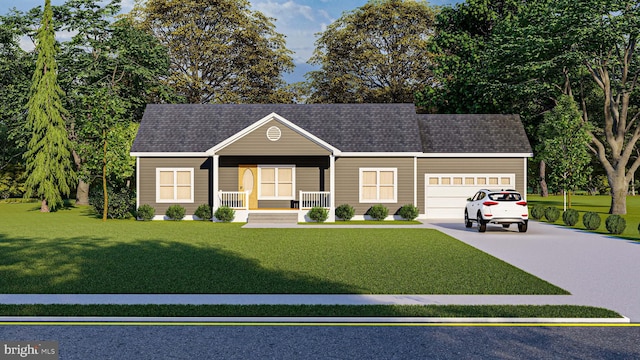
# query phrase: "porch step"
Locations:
[[272, 218]]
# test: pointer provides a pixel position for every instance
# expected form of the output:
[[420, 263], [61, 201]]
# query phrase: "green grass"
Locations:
[[599, 204], [71, 251], [545, 311]]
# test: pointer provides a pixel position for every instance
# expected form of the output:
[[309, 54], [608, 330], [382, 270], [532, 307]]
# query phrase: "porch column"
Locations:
[[332, 187], [216, 197]]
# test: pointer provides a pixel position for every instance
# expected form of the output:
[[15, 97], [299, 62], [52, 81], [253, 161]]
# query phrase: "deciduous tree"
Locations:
[[375, 53], [220, 50]]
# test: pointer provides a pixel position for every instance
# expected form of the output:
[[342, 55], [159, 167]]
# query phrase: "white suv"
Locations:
[[503, 207]]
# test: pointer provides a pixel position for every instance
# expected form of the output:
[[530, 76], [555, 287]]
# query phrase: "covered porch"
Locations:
[[274, 184]]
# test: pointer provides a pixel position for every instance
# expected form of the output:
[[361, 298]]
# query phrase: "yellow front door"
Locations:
[[248, 181]]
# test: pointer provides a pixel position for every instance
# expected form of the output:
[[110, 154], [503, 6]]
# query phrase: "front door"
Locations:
[[248, 182]]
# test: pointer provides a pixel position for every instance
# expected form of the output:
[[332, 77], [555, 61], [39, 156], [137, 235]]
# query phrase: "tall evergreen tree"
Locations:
[[48, 156]]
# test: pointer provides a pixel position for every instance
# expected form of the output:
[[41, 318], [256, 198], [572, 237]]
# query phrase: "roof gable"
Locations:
[[273, 135]]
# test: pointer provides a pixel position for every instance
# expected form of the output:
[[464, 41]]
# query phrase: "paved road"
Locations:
[[333, 342], [598, 270]]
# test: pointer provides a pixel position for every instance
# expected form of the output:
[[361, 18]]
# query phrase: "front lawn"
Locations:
[[71, 251], [599, 204]]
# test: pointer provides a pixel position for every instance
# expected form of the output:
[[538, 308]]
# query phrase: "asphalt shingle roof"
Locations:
[[179, 128], [472, 133]]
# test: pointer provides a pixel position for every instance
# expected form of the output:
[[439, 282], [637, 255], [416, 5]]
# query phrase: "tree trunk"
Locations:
[[44, 207], [544, 191], [619, 190], [104, 178], [82, 193]]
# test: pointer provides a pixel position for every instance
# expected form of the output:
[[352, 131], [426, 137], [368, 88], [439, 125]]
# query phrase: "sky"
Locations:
[[298, 20]]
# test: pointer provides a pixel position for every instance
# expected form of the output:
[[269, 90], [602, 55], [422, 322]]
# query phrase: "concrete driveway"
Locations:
[[598, 270]]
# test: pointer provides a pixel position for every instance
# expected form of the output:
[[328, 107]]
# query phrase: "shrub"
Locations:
[[570, 217], [175, 212], [225, 214], [591, 220], [318, 214], [345, 212], [378, 212], [615, 224], [537, 212], [203, 212], [408, 212], [122, 202], [551, 213], [145, 212]]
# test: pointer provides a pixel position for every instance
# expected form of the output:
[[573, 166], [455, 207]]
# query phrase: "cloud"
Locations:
[[298, 22]]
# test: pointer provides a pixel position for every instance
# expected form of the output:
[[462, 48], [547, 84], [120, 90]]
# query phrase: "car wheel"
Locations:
[[467, 222], [522, 227], [482, 225], [506, 226]]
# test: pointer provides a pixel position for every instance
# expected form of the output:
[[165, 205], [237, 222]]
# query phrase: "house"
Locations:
[[287, 158]]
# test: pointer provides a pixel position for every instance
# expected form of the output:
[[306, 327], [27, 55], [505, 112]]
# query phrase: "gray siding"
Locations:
[[201, 178], [290, 143], [348, 181], [469, 166]]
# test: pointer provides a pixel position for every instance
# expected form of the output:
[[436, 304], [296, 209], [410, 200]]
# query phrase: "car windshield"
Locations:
[[505, 196]]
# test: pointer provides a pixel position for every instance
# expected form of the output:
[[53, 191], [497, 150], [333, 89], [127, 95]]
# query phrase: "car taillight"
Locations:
[[521, 203], [490, 203]]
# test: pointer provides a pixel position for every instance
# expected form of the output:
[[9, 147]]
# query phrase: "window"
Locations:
[[174, 185], [276, 182], [378, 185]]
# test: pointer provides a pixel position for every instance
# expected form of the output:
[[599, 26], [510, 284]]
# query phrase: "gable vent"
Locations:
[[274, 133]]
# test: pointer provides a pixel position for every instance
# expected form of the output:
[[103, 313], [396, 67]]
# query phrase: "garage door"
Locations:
[[446, 194]]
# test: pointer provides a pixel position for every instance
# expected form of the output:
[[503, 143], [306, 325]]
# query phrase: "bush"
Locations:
[[145, 212], [203, 212], [552, 214], [615, 224], [591, 220], [175, 212], [345, 212], [122, 202], [378, 212], [537, 212], [408, 212], [225, 214], [570, 217], [318, 214]]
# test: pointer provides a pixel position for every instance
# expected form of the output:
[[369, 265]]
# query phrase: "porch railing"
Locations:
[[234, 199], [309, 199]]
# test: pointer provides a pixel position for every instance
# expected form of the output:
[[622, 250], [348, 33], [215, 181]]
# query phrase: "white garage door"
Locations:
[[446, 195]]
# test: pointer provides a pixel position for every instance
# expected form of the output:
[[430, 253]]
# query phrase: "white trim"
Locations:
[[174, 200], [379, 154], [137, 183], [332, 187], [339, 153], [215, 175], [526, 185], [415, 181], [277, 167], [273, 116], [475, 155], [169, 154], [378, 200]]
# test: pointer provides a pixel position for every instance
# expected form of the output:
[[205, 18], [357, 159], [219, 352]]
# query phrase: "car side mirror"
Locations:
[[469, 199]]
